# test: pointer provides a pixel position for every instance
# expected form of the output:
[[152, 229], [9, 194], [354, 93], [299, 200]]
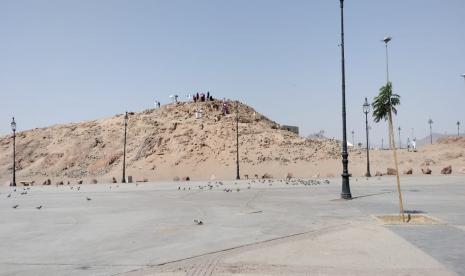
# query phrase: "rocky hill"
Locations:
[[162, 144]]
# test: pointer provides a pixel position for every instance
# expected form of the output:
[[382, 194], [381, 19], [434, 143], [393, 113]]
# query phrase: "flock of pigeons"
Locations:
[[210, 186], [25, 190], [270, 182]]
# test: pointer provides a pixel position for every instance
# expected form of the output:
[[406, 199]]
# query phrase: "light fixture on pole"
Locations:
[[366, 110], [458, 128], [13, 128], [345, 193], [126, 119]]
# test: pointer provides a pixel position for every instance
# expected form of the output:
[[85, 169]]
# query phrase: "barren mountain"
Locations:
[[163, 144], [174, 142]]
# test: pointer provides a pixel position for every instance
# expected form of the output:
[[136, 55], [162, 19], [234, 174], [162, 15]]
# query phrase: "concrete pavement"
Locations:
[[271, 228]]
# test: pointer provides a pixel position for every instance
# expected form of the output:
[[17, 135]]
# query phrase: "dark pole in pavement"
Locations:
[[13, 128], [124, 147], [345, 194], [366, 110], [237, 141]]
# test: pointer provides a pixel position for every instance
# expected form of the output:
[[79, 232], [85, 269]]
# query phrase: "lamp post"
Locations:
[[400, 142], [366, 110], [13, 128], [353, 138], [238, 176], [386, 41], [382, 143], [430, 122], [458, 128], [126, 118], [345, 193], [463, 76]]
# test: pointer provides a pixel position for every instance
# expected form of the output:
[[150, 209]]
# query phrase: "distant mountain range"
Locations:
[[427, 140]]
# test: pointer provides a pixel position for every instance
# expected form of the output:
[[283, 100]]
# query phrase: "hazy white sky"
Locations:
[[65, 61]]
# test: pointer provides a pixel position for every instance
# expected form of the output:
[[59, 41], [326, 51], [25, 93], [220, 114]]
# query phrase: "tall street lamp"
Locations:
[[430, 122], [400, 142], [13, 128], [345, 193], [238, 176], [458, 128], [126, 119], [353, 138], [463, 75], [386, 41], [366, 110]]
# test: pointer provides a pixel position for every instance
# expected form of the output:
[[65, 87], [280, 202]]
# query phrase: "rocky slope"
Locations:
[[161, 144]]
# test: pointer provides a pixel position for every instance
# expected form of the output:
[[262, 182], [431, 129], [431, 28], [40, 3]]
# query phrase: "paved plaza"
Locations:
[[247, 228]]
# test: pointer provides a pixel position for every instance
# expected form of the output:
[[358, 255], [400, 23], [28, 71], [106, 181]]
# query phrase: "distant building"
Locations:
[[294, 129]]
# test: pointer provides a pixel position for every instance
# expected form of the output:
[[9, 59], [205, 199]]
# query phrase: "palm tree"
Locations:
[[383, 106]]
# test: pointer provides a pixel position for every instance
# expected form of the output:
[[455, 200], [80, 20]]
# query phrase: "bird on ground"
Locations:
[[89, 199], [198, 222], [16, 206], [9, 195], [39, 207]]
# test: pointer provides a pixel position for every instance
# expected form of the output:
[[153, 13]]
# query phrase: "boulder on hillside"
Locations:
[[447, 170], [391, 171], [408, 171], [426, 170], [267, 176], [378, 173]]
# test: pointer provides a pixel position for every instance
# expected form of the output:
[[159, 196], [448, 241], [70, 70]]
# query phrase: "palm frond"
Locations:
[[385, 102]]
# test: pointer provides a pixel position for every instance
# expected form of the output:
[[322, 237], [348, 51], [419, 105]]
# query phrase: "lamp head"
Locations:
[[126, 118], [387, 39], [366, 107], [13, 124]]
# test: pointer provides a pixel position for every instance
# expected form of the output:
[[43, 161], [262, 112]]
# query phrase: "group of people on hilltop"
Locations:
[[201, 97], [198, 97]]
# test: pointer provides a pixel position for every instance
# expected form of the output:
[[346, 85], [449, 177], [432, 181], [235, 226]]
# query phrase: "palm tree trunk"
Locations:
[[393, 147]]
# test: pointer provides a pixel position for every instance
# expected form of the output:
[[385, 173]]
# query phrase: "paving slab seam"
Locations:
[[286, 238]]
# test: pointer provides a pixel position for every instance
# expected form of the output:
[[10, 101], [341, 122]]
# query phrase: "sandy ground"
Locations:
[[271, 228]]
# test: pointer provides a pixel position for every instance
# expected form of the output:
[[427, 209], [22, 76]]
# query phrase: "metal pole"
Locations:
[[238, 176], [382, 143], [124, 148], [431, 133], [368, 174], [345, 194], [400, 142], [14, 158], [387, 63]]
